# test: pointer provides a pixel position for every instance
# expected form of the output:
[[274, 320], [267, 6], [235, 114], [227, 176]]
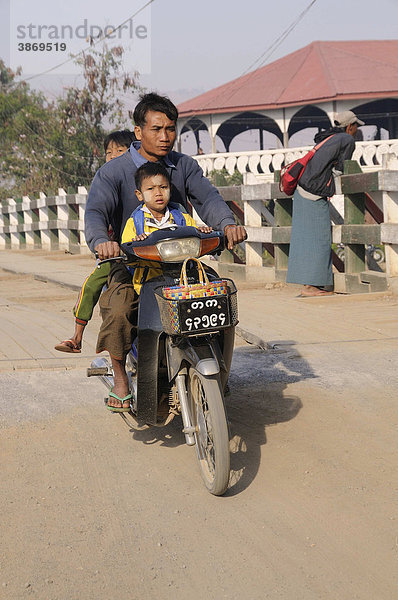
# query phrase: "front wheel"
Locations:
[[211, 430]]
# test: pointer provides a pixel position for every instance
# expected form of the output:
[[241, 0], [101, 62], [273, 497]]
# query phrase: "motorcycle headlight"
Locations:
[[179, 249]]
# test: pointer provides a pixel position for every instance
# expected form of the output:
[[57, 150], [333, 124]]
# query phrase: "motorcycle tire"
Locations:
[[211, 430]]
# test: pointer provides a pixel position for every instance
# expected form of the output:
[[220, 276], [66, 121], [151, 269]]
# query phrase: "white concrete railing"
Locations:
[[368, 154], [57, 222], [382, 187], [44, 222]]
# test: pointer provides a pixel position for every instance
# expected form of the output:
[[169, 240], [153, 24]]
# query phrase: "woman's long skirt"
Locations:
[[310, 255]]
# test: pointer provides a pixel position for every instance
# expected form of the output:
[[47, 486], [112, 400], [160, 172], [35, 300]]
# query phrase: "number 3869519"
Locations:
[[42, 47]]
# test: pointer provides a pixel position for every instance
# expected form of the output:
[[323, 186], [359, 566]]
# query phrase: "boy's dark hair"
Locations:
[[121, 138], [157, 103], [150, 169]]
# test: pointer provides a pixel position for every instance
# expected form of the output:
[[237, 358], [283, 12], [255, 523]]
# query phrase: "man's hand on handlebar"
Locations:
[[235, 234], [205, 229], [107, 250]]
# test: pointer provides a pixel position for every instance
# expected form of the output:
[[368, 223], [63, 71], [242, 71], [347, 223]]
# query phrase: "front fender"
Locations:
[[205, 356]]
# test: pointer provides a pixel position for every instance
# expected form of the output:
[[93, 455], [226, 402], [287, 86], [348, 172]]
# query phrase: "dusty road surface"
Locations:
[[92, 509]]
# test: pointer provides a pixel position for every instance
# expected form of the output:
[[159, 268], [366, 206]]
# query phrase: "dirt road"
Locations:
[[93, 509]]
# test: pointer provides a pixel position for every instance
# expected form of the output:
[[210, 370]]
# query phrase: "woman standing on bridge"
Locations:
[[310, 255]]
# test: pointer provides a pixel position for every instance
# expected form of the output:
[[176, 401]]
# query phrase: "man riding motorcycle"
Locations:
[[111, 201]]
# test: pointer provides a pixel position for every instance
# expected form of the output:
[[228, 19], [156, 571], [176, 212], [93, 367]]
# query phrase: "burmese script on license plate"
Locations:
[[201, 314]]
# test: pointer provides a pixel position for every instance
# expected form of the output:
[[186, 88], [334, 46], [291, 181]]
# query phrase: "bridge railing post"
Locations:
[[254, 250], [354, 214], [283, 218]]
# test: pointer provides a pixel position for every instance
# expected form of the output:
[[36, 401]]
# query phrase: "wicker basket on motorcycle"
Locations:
[[215, 308]]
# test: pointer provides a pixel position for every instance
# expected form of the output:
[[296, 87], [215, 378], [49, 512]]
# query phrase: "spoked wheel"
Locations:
[[211, 430]]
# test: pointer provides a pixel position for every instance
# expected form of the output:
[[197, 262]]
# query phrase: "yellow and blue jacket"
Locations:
[[146, 223]]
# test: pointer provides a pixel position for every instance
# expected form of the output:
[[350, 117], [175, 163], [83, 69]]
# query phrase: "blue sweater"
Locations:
[[111, 199]]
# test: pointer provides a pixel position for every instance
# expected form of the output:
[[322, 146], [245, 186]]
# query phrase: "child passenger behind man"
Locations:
[[115, 144], [153, 190]]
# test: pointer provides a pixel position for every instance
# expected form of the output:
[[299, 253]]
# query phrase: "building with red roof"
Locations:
[[303, 89]]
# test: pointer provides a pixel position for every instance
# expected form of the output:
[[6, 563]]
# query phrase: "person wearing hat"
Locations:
[[310, 254]]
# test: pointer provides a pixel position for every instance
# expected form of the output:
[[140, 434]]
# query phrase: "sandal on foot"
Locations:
[[68, 346], [121, 400]]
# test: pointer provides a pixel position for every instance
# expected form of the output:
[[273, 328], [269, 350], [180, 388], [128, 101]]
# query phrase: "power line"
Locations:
[[40, 137], [26, 127], [94, 43], [72, 57], [271, 49], [264, 55]]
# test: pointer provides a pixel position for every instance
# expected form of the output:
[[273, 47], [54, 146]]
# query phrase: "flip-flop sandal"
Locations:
[[67, 346], [121, 400]]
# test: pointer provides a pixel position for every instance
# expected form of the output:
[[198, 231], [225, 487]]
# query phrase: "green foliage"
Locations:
[[223, 178], [47, 145], [22, 113]]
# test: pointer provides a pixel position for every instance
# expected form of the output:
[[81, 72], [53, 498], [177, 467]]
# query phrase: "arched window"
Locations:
[[305, 124], [380, 117], [194, 137], [264, 130]]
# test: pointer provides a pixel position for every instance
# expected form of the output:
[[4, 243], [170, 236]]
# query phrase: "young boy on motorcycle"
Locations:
[[115, 144], [155, 212]]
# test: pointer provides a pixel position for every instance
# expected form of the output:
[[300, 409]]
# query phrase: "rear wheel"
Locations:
[[211, 430]]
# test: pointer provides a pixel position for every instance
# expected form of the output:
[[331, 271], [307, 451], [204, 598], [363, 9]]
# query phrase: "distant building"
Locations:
[[302, 90]]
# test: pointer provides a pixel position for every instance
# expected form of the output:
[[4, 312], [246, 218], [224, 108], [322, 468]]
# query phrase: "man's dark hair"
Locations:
[[150, 169], [121, 138], [157, 103]]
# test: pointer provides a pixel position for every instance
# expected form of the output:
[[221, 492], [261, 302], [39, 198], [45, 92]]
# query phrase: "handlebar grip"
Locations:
[[122, 258]]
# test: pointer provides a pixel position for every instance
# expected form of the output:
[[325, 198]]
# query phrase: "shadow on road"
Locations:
[[258, 382], [169, 436]]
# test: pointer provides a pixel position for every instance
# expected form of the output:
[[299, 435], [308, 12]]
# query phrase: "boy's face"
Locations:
[[155, 193], [113, 150]]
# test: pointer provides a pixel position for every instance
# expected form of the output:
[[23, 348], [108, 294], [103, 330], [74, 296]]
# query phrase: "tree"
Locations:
[[83, 111], [22, 117], [60, 144], [223, 178]]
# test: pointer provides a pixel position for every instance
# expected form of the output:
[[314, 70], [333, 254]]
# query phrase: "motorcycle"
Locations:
[[180, 360]]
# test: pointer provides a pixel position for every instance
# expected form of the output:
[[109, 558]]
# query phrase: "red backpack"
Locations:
[[291, 173]]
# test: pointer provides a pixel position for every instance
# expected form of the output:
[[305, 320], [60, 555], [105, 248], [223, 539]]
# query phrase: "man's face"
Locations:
[[157, 136], [114, 150], [352, 129]]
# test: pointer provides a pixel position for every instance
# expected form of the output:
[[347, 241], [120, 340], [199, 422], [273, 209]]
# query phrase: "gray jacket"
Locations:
[[318, 177], [111, 199]]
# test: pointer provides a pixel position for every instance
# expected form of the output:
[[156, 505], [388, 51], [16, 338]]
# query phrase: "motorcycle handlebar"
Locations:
[[125, 259], [121, 258]]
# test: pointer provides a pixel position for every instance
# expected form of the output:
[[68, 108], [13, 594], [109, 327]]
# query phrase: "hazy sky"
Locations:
[[192, 46]]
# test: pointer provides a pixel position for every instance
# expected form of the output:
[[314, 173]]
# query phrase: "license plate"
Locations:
[[202, 314]]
